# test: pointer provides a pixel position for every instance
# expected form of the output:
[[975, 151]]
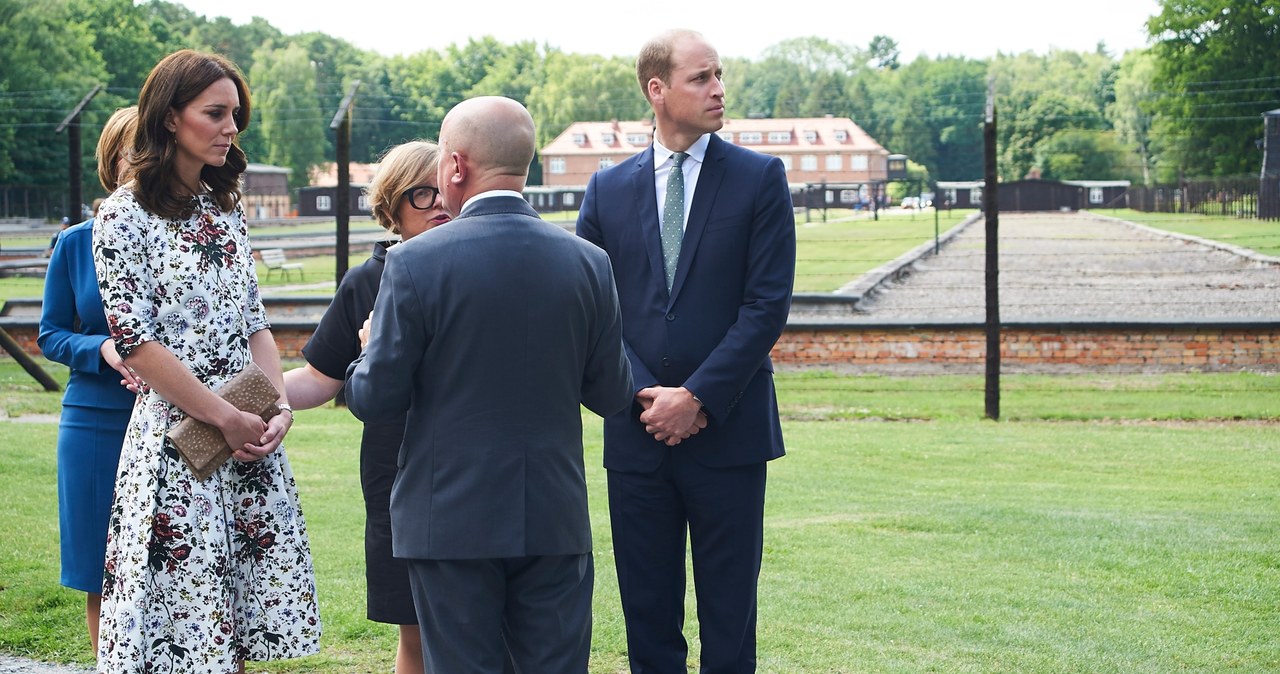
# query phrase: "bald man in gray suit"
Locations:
[[492, 331]]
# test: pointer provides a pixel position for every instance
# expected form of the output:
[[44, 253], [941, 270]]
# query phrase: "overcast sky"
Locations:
[[934, 28]]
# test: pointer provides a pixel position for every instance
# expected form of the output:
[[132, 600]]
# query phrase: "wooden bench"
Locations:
[[273, 259], [33, 266]]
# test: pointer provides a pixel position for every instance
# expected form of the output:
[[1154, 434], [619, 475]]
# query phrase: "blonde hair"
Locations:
[[116, 138], [403, 166]]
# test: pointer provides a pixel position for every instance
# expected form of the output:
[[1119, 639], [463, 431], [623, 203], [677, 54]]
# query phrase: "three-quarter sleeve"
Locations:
[[255, 314], [121, 244]]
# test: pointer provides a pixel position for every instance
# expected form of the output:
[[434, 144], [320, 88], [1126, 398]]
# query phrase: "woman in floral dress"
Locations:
[[200, 575]]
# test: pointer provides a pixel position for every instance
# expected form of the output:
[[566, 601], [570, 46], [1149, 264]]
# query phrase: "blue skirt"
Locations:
[[89, 440]]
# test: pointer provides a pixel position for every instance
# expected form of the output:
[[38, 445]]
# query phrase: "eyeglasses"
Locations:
[[422, 197]]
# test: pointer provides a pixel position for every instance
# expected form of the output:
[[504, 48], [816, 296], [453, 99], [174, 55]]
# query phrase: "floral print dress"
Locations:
[[199, 575]]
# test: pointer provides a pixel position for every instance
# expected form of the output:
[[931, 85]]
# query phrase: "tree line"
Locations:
[[1187, 106]]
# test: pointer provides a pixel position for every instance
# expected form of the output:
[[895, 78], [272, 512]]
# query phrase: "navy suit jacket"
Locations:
[[727, 307], [492, 331]]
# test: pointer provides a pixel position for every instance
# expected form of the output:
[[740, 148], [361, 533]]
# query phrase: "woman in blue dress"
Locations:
[[96, 406]]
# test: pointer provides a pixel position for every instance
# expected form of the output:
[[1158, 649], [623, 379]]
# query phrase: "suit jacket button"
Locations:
[[666, 362], [671, 317]]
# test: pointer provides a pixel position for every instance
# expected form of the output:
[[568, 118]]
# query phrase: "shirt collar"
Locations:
[[491, 193], [698, 151]]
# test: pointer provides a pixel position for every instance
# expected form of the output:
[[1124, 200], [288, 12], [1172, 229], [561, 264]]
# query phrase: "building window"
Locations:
[[556, 165], [323, 202], [779, 137], [830, 196], [975, 196], [568, 199], [786, 162], [834, 162], [810, 136], [606, 162], [579, 139], [858, 162], [809, 162], [951, 196], [607, 138], [841, 135], [726, 136], [848, 196], [638, 138], [748, 137], [1095, 195]]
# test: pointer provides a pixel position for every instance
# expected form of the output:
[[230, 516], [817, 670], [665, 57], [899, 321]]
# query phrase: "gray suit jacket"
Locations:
[[492, 331]]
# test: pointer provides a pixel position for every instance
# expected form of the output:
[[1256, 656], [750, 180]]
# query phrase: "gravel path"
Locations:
[[1076, 267], [12, 665]]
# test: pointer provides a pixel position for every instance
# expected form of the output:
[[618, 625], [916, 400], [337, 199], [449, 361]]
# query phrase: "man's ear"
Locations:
[[457, 168], [654, 89]]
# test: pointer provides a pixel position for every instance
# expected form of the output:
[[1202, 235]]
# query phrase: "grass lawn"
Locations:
[[1109, 524], [1260, 235]]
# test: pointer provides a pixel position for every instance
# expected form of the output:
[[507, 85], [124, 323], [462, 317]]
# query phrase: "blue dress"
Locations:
[[95, 407]]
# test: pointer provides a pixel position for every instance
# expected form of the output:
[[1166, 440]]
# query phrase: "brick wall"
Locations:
[[1147, 347], [1142, 347]]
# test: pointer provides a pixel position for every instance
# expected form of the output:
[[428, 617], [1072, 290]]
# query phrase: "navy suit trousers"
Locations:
[[721, 510]]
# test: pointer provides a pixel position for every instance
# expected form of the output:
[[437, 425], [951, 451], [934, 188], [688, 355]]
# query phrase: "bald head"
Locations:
[[488, 144]]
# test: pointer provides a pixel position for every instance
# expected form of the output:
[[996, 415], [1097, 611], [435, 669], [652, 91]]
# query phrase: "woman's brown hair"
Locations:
[[173, 83]]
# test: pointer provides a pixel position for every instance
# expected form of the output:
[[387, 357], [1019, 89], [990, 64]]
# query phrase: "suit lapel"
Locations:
[[704, 196], [646, 210]]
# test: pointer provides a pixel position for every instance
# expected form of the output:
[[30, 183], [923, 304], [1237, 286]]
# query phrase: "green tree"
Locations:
[[337, 64], [884, 52], [49, 65], [1039, 96], [379, 118], [1131, 113], [237, 43], [937, 112], [289, 118], [122, 36], [1216, 73], [170, 23], [1083, 154], [584, 88]]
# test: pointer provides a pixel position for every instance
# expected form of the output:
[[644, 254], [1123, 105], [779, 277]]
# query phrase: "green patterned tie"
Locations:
[[673, 217]]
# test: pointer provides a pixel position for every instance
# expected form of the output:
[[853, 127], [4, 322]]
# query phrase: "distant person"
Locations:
[[201, 575], [701, 236], [53, 240], [404, 198], [96, 406], [492, 332]]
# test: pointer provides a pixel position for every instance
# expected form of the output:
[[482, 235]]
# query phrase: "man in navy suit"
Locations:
[[701, 236], [492, 331]]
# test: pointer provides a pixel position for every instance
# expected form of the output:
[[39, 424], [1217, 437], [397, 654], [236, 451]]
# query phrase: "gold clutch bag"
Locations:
[[201, 445]]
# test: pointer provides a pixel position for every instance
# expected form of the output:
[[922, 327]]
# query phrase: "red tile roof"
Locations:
[[775, 136]]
